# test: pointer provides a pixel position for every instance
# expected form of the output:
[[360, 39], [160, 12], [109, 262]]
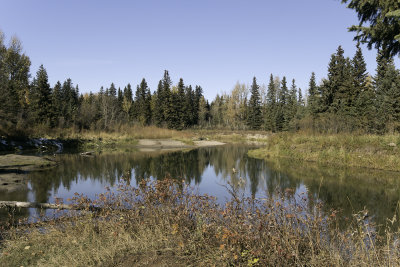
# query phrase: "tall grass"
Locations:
[[371, 151], [166, 223]]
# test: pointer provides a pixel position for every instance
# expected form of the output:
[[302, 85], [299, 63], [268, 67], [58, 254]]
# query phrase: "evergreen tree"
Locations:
[[40, 97], [281, 121], [204, 112], [112, 91], [189, 108], [271, 106], [300, 99], [255, 115], [56, 100], [175, 110], [69, 103], [292, 105], [383, 24], [127, 101], [166, 97], [332, 90], [367, 107], [158, 111], [196, 104], [142, 103], [388, 97], [361, 91]]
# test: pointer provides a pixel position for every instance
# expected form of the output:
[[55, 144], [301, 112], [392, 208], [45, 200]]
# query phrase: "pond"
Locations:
[[210, 169]]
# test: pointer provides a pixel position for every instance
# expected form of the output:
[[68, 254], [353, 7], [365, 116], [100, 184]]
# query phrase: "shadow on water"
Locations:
[[347, 190]]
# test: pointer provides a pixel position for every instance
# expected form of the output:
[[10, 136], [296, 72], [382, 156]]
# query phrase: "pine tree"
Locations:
[[40, 97], [292, 105], [254, 120], [165, 96], [142, 103], [158, 111], [112, 90], [362, 92], [198, 94], [56, 103], [189, 108], [333, 91], [281, 121], [127, 101], [388, 98], [271, 106], [175, 111]]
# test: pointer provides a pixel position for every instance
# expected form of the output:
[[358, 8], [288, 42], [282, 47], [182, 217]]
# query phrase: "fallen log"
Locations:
[[88, 153], [18, 204]]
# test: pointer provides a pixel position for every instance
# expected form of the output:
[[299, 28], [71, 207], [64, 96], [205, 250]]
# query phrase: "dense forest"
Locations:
[[347, 100]]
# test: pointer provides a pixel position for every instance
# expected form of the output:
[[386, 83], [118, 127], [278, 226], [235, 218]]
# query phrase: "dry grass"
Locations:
[[371, 151], [165, 224]]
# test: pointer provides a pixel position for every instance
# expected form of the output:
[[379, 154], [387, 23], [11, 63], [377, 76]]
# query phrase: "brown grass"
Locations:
[[370, 151], [165, 224]]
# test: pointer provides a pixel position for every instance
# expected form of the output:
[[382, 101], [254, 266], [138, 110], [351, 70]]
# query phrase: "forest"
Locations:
[[348, 100]]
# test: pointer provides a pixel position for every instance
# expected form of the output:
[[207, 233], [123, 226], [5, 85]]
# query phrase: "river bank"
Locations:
[[367, 151]]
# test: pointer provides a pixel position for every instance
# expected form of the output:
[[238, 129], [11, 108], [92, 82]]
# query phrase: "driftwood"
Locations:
[[88, 153], [17, 204]]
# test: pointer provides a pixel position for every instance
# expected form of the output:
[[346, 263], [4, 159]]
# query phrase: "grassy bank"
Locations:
[[168, 225], [370, 151]]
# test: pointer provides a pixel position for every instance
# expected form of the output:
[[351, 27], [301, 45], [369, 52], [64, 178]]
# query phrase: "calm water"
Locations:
[[347, 190]]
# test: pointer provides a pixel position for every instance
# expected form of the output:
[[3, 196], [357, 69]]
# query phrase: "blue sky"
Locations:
[[213, 43]]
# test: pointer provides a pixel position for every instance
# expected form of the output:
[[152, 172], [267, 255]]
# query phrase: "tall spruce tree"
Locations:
[[158, 111], [189, 107], [198, 94], [40, 98], [142, 103], [313, 99], [362, 92], [165, 96], [270, 106], [57, 103], [281, 120], [175, 111], [387, 83], [254, 119], [292, 106], [127, 102]]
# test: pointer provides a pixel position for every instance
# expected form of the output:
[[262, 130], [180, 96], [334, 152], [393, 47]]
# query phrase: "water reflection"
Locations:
[[348, 190]]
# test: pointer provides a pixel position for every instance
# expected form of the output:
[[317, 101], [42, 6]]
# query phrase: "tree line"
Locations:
[[347, 100]]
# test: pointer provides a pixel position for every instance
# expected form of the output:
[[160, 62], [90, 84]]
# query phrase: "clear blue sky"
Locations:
[[213, 43]]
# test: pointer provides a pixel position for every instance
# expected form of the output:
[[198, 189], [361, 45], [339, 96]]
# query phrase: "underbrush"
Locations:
[[371, 151], [166, 223]]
